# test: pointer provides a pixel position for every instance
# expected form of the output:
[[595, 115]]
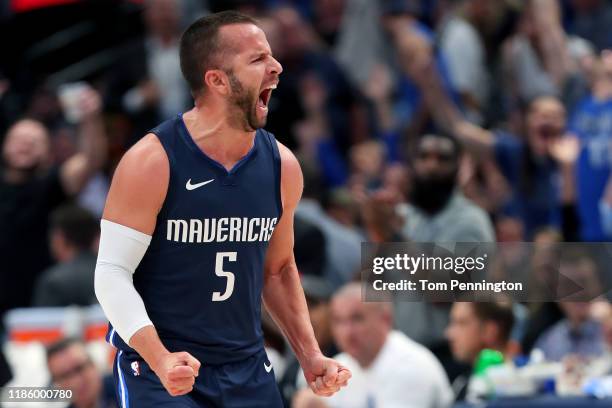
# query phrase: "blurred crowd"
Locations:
[[426, 121]]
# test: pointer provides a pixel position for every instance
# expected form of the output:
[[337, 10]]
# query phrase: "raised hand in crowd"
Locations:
[[91, 156]]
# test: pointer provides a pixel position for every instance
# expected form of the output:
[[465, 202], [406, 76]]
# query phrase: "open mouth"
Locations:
[[264, 97]]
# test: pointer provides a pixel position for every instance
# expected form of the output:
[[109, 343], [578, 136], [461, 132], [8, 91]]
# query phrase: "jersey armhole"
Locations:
[[277, 170], [162, 133]]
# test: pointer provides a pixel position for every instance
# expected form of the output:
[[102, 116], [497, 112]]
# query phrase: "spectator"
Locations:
[[436, 212], [531, 166], [30, 189], [360, 43], [413, 45], [577, 282], [341, 206], [311, 73], [147, 83], [592, 21], [577, 334], [309, 249], [474, 327], [69, 282], [71, 368], [342, 244], [464, 52], [389, 369], [592, 123], [543, 262], [536, 58]]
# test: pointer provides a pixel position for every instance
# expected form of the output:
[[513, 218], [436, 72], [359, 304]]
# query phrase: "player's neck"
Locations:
[[212, 133]]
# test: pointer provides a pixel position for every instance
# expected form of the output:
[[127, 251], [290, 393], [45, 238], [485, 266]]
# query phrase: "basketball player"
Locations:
[[197, 229]]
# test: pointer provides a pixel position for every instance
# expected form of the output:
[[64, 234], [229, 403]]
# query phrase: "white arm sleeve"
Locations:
[[121, 250]]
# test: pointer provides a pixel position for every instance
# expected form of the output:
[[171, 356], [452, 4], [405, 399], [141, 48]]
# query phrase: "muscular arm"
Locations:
[[424, 72], [133, 202], [552, 41], [283, 294], [136, 195]]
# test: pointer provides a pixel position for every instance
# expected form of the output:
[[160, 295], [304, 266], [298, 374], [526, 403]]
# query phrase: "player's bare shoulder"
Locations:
[[292, 181], [147, 154], [139, 185]]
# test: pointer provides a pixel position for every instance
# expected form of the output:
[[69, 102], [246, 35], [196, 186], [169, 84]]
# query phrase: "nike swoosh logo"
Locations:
[[268, 367], [190, 186]]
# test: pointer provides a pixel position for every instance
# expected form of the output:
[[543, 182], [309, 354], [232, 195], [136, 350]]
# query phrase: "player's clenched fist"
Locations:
[[177, 372], [325, 376]]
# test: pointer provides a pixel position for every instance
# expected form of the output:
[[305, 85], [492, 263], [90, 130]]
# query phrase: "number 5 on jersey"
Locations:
[[229, 288]]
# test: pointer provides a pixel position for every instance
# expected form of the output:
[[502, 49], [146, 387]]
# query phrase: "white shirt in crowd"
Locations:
[[404, 375], [165, 70]]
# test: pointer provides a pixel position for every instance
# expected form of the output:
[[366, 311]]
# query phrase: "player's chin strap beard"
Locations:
[[240, 102], [239, 119]]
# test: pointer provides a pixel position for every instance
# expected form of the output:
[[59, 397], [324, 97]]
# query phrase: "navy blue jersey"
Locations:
[[201, 278]]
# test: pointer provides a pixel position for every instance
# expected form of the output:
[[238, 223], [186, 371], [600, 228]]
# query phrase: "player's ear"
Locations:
[[218, 80]]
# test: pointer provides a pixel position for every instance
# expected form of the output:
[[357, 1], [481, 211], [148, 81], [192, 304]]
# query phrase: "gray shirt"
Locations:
[[460, 221], [343, 244], [69, 283], [464, 53]]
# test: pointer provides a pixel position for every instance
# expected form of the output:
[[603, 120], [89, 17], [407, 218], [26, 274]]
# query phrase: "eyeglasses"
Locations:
[[74, 371], [440, 156]]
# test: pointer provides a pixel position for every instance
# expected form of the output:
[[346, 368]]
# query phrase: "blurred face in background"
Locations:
[[359, 329], [272, 29], [26, 146], [545, 124], [484, 14], [602, 76], [576, 312], [464, 333], [397, 179], [163, 18], [435, 173], [295, 35], [367, 159], [528, 23], [72, 369], [328, 16], [545, 257], [508, 229]]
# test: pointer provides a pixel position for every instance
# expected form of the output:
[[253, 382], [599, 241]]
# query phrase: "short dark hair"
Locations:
[[200, 45], [61, 345], [500, 312], [78, 225]]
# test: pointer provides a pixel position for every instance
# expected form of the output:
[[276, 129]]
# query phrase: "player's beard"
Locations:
[[243, 103]]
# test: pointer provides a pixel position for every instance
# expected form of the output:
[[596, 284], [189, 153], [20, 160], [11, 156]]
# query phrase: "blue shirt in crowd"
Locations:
[[561, 340], [592, 123], [534, 184]]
